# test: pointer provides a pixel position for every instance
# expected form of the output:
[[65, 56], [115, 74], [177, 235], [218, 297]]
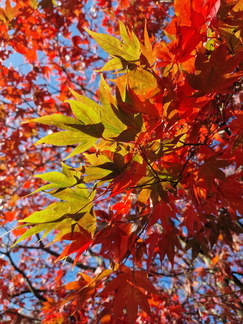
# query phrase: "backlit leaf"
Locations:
[[65, 138], [115, 47]]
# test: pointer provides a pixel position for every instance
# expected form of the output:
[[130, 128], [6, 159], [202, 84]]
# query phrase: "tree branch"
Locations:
[[20, 315], [34, 291]]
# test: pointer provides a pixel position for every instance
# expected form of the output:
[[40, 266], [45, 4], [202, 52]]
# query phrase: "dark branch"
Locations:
[[34, 291]]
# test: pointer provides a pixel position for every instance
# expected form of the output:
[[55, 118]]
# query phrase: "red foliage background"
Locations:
[[195, 110]]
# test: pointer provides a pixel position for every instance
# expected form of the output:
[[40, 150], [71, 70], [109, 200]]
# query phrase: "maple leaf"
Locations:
[[212, 169], [128, 49], [7, 14], [129, 287], [115, 241], [155, 160], [209, 70], [129, 177]]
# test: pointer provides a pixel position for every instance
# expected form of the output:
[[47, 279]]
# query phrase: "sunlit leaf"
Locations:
[[115, 47]]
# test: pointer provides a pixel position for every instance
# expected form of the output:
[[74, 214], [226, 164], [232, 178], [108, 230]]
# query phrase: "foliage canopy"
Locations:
[[148, 201]]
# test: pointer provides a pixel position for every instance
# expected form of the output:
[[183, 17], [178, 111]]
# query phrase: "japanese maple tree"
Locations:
[[128, 165]]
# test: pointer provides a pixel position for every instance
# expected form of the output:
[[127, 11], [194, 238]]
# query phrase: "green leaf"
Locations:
[[85, 109], [98, 173], [58, 120], [105, 95], [34, 230], [115, 47], [47, 187], [59, 211], [114, 64], [77, 195], [118, 124], [68, 171], [130, 39], [109, 114], [84, 146], [58, 178], [143, 83], [77, 133], [50, 214], [68, 178], [97, 160], [63, 216], [88, 222], [95, 130], [65, 138]]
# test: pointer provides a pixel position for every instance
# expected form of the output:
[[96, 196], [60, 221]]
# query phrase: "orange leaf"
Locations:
[[10, 216]]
